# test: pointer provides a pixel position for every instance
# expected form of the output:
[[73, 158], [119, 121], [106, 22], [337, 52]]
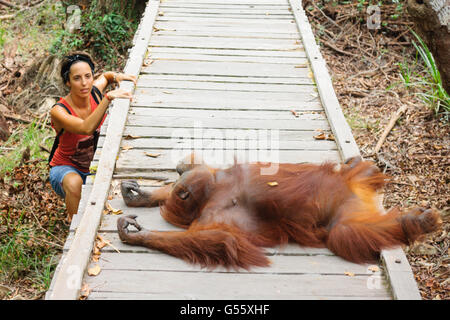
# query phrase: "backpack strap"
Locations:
[[96, 93], [56, 142]]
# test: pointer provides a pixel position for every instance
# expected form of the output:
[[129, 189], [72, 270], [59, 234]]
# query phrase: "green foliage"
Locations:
[[30, 138], [2, 37], [430, 82], [33, 30], [105, 35], [21, 258], [406, 73]]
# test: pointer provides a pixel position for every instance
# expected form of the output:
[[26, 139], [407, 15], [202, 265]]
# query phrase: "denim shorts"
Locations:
[[57, 174]]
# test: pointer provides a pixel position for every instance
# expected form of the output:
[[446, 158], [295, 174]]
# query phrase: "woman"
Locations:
[[78, 116]]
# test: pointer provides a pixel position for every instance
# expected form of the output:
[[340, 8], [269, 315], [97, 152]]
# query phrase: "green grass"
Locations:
[[428, 81], [31, 137], [33, 30], [22, 258], [436, 96]]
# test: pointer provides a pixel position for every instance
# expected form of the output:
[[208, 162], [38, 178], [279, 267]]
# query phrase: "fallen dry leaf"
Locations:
[[350, 274], [104, 242], [129, 137], [321, 136], [373, 268], [96, 250], [85, 291], [294, 113], [127, 147], [101, 243], [111, 209], [153, 155], [94, 271]]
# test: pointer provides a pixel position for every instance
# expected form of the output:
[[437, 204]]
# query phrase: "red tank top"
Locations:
[[75, 150]]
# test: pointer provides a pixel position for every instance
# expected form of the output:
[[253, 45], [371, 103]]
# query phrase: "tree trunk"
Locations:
[[431, 23]]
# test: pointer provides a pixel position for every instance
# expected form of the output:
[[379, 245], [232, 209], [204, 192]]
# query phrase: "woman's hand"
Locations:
[[122, 76], [119, 93]]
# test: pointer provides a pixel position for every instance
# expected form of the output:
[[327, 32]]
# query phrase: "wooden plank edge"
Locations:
[[399, 275], [68, 279], [402, 283]]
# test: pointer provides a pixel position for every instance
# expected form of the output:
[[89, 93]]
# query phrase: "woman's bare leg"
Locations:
[[72, 183]]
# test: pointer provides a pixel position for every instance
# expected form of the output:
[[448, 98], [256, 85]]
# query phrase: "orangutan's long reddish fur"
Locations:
[[231, 214]]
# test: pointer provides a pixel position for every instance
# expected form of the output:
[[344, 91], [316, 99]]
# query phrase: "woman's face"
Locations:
[[80, 79]]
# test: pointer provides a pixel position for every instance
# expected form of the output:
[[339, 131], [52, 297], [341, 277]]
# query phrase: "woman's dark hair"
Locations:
[[71, 59]]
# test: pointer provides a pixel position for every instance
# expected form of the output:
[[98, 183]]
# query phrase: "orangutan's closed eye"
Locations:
[[183, 195]]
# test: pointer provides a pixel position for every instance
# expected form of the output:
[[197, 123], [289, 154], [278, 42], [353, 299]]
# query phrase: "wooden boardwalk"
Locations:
[[220, 77]]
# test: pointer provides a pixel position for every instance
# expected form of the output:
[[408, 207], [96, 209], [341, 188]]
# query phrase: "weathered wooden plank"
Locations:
[[105, 295], [168, 159], [240, 69], [68, 279], [400, 275], [212, 79], [299, 53], [117, 244], [230, 123], [148, 82], [149, 218], [256, 28], [216, 20], [226, 100], [225, 43], [153, 132], [231, 143], [49, 292], [238, 6], [268, 14], [208, 101], [221, 58], [266, 10], [226, 32], [230, 2], [156, 178], [225, 114], [177, 16], [195, 285], [280, 264]]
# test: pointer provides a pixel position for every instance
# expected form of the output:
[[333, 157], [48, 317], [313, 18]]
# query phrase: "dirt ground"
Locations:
[[365, 73]]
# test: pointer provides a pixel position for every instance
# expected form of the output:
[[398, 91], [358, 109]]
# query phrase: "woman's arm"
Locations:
[[62, 119], [109, 77]]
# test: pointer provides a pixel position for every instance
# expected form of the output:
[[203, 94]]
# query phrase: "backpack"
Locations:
[[95, 92]]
